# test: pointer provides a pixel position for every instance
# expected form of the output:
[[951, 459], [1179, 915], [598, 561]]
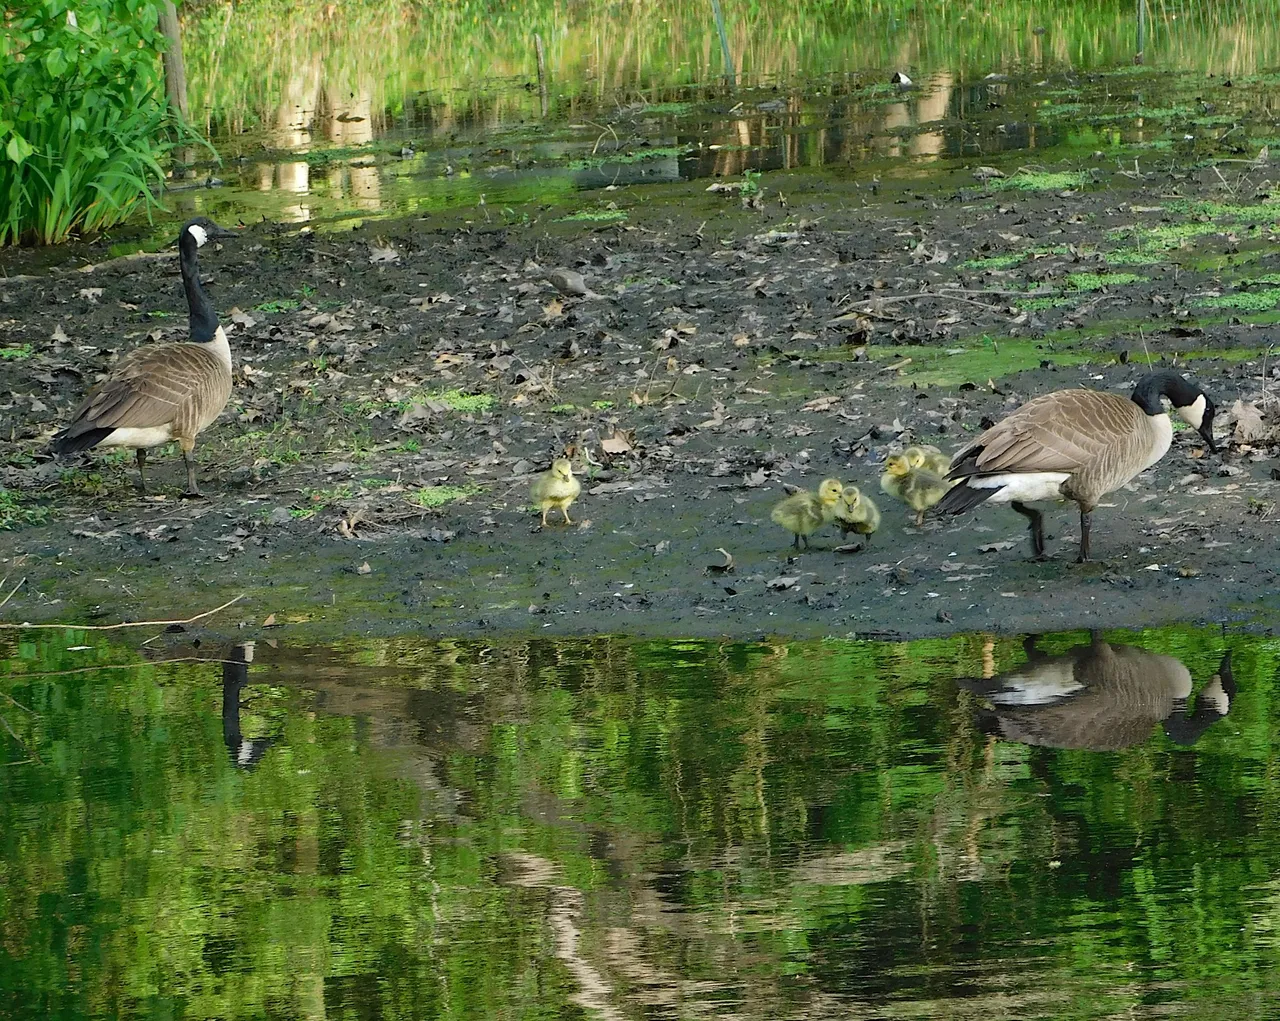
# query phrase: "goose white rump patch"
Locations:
[[1042, 685], [151, 436], [1025, 487]]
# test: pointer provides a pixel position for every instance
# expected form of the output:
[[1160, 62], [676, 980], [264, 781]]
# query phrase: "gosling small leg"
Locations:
[[1035, 521], [565, 511], [919, 518], [1084, 536], [141, 456], [193, 491], [796, 542], [544, 517]]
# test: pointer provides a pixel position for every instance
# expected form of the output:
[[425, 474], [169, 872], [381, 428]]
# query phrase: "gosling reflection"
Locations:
[[1100, 697], [245, 754]]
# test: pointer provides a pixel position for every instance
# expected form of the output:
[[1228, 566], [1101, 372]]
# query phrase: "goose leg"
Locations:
[[1084, 536], [141, 456], [1036, 523], [193, 491]]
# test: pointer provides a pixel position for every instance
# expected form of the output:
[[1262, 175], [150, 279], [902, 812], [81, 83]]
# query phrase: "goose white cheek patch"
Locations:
[[1193, 414], [198, 232]]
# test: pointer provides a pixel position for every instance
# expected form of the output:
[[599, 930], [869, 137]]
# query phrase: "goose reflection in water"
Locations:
[[245, 753], [1101, 697]]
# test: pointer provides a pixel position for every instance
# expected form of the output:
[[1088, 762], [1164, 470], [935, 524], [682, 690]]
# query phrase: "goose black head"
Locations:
[[1193, 405], [201, 229]]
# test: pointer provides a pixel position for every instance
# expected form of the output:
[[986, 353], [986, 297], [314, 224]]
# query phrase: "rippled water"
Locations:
[[328, 115], [971, 827]]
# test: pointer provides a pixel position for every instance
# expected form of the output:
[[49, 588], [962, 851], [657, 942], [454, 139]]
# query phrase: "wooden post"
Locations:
[[724, 41], [175, 72], [1142, 32], [542, 73]]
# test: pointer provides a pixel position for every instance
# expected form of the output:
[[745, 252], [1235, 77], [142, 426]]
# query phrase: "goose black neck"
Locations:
[[204, 320], [1155, 385]]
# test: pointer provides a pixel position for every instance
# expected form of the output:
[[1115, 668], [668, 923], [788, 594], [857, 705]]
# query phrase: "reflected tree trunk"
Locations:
[[175, 72]]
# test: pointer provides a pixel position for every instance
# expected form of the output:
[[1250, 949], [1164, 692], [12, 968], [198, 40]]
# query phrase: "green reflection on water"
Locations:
[[330, 113], [405, 828]]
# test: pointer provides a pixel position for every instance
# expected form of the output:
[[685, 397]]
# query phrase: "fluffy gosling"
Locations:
[[804, 513], [856, 512], [556, 488]]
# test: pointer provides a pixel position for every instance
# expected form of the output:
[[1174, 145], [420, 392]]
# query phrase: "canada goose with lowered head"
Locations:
[[1074, 445], [162, 392], [1100, 696]]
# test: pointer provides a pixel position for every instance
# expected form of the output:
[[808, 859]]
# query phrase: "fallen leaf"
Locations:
[[782, 582], [91, 294], [568, 282], [270, 621], [996, 547], [717, 417], [615, 445], [381, 254], [59, 335], [553, 309], [364, 568], [1248, 422], [726, 567]]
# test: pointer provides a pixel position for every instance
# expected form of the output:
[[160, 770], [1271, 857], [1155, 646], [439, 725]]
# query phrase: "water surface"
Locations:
[[969, 827], [328, 114]]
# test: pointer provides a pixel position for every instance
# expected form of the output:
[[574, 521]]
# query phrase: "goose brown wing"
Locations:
[[1059, 432], [149, 387]]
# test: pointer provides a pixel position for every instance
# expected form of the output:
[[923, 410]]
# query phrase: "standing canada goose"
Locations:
[[162, 392], [804, 513], [556, 488], [1101, 697], [1074, 445]]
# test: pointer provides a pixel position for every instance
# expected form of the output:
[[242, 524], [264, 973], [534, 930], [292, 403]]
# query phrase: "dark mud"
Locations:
[[730, 350]]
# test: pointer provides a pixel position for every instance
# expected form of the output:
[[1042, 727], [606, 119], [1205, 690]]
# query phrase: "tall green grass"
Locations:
[[83, 118]]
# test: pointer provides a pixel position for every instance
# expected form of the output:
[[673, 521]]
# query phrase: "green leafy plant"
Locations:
[[14, 513], [83, 117], [438, 496]]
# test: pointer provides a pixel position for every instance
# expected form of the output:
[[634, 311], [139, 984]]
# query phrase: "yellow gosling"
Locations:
[[556, 488], [804, 513], [928, 457], [917, 487], [857, 512]]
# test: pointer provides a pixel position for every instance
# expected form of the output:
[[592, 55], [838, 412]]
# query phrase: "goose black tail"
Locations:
[[963, 497], [67, 442]]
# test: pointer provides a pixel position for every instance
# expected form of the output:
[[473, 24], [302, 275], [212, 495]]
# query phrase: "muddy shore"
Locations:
[[398, 386]]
